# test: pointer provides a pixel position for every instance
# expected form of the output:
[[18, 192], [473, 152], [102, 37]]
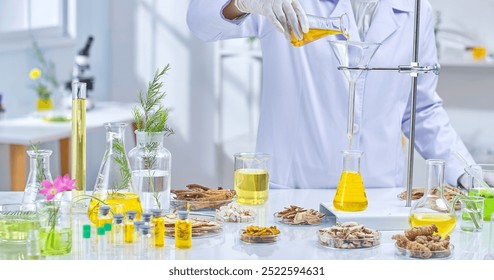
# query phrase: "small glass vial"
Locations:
[[146, 218], [102, 243], [137, 237], [32, 245], [159, 228], [104, 215], [118, 230], [129, 226], [183, 231], [146, 241], [86, 242]]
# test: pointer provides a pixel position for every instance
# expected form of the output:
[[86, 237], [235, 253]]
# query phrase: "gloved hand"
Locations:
[[284, 14]]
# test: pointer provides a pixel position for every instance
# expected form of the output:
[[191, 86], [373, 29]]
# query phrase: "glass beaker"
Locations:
[[39, 170], [472, 212], [320, 27], [350, 195], [16, 222], [151, 170], [114, 182], [251, 178], [433, 208], [486, 172]]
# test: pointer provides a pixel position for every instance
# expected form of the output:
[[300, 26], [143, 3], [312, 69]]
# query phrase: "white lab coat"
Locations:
[[304, 97]]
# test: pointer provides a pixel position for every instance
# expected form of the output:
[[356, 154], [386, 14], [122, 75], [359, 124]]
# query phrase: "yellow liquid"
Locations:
[[444, 222], [129, 232], [183, 234], [313, 35], [79, 147], [350, 194], [251, 186], [130, 201], [44, 104], [159, 231]]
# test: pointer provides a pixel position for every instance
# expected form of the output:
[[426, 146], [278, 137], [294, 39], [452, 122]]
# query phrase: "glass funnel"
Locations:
[[350, 195], [114, 182], [433, 208], [320, 27], [353, 55], [39, 170]]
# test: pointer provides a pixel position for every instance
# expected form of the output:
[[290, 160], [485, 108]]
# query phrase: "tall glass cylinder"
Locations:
[[151, 170], [114, 182], [39, 170], [350, 194], [433, 208], [78, 154]]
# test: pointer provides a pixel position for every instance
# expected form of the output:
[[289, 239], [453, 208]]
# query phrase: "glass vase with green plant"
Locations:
[[45, 81], [150, 160]]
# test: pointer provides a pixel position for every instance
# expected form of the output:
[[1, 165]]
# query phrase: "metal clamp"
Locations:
[[412, 69]]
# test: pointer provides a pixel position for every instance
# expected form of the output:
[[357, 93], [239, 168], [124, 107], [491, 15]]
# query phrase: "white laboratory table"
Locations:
[[296, 242], [21, 132]]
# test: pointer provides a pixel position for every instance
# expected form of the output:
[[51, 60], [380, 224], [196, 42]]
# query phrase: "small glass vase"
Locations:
[[151, 170], [55, 232], [44, 104], [114, 182], [39, 170]]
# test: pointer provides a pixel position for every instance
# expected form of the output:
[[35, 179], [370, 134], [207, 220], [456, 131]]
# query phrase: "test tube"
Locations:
[[145, 242], [490, 250], [78, 150], [102, 243], [118, 230], [137, 238], [86, 242], [32, 245]]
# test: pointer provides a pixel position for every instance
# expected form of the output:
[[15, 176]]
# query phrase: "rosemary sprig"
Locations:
[[469, 205], [39, 171], [149, 162], [121, 159], [152, 115]]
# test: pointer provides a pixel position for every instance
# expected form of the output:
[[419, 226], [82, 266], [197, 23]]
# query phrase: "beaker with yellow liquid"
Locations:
[[114, 185], [320, 27], [251, 178], [433, 208], [350, 195]]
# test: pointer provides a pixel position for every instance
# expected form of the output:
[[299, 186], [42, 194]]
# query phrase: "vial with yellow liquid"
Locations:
[[320, 27], [433, 208], [183, 231], [350, 195], [251, 178]]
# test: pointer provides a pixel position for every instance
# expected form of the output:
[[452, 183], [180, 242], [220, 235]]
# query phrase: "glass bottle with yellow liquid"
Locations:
[[320, 27], [350, 195], [433, 208], [113, 184], [251, 178]]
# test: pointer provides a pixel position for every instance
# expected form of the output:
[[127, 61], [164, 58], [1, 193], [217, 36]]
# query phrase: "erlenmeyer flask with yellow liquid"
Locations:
[[320, 27], [350, 195], [114, 185], [433, 208]]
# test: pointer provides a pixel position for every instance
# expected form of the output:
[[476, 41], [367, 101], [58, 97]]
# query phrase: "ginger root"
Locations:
[[422, 242]]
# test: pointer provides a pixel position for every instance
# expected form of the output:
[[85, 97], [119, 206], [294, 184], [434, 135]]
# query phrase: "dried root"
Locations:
[[297, 216], [349, 235], [422, 242], [204, 197]]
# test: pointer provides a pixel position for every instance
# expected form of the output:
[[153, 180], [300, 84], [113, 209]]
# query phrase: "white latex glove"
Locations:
[[284, 14]]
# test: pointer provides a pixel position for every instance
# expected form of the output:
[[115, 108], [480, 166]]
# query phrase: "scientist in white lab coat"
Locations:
[[304, 96]]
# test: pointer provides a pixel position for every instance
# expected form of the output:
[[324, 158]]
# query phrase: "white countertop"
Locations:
[[296, 242]]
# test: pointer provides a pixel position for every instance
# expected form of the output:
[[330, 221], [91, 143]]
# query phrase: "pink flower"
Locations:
[[60, 184], [64, 183], [49, 189]]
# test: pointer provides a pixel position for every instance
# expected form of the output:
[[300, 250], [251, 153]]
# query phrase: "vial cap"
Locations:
[[118, 218], [156, 212], [146, 217], [104, 209], [86, 234], [145, 229], [131, 214], [86, 227], [183, 215], [138, 224], [101, 231], [107, 227]]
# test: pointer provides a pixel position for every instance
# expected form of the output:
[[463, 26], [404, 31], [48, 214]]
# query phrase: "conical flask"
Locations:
[[320, 27], [39, 170], [350, 195], [432, 208], [114, 182]]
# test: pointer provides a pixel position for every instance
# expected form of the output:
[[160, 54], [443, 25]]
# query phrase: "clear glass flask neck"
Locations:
[[146, 139], [39, 165], [115, 134], [351, 160], [434, 177]]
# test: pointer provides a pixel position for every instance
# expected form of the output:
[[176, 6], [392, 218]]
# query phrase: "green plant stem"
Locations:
[[469, 205]]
